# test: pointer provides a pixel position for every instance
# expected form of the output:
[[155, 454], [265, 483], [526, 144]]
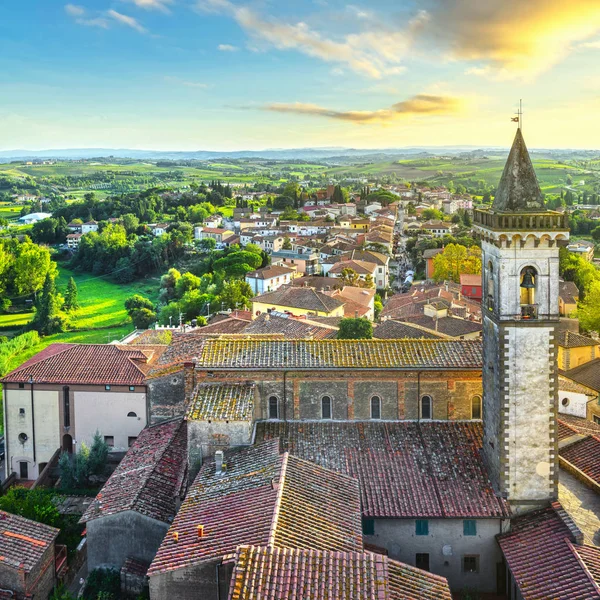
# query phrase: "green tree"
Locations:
[[98, 455], [188, 281], [433, 213], [140, 310], [355, 329], [48, 317], [71, 302], [130, 222], [207, 244], [287, 244], [235, 294], [588, 310], [36, 505], [31, 267], [337, 196], [596, 234], [456, 260]]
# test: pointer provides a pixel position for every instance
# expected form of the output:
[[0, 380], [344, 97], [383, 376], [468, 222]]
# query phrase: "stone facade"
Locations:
[[166, 395]]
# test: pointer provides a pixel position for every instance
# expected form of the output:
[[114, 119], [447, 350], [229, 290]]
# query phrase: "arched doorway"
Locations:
[[67, 443]]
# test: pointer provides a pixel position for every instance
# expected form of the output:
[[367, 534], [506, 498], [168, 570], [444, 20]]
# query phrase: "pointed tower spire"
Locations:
[[518, 189]]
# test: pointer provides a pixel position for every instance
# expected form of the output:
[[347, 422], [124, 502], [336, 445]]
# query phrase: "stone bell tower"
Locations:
[[520, 244]]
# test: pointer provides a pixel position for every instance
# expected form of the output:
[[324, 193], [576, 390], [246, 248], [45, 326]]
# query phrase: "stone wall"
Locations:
[[206, 580], [166, 396], [114, 538]]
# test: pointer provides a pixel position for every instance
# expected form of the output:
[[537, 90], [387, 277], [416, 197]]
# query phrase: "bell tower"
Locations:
[[520, 242]]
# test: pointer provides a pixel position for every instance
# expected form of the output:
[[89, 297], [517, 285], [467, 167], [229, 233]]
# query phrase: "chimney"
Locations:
[[200, 531], [175, 536], [219, 462]]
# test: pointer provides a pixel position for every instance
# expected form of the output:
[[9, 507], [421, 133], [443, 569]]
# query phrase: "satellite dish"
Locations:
[[447, 550]]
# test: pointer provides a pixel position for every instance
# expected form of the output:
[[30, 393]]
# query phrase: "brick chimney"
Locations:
[[189, 378], [219, 462]]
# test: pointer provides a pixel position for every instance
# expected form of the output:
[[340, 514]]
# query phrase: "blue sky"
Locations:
[[229, 74]]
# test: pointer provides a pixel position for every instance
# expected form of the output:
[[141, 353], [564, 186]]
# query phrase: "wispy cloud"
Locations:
[[372, 53], [511, 38], [227, 48], [81, 17], [422, 104], [595, 45], [160, 5], [187, 83], [126, 20]]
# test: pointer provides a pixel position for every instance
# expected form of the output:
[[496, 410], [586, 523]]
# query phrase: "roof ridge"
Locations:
[[27, 363], [280, 484], [582, 564]]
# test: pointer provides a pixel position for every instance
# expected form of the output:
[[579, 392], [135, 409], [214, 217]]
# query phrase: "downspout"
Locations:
[[32, 419], [7, 460], [218, 584], [418, 396], [284, 396]]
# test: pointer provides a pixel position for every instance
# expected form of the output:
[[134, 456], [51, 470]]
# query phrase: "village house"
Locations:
[[471, 286], [129, 518], [215, 233], [31, 560], [89, 226], [568, 296], [428, 256], [73, 240], [269, 279], [159, 229], [297, 301], [67, 392], [361, 268], [436, 228], [306, 263]]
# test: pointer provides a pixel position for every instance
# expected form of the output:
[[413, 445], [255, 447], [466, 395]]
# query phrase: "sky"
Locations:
[[255, 74]]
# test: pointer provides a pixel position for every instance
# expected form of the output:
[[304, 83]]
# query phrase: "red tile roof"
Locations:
[[23, 542], [540, 554], [579, 424], [405, 469], [150, 478], [585, 456], [272, 573], [91, 364], [590, 557], [222, 402], [263, 498]]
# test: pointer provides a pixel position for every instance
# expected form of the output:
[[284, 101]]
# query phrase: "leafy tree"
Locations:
[[377, 305], [456, 260], [140, 310], [596, 234], [355, 329], [124, 270], [185, 283], [168, 284], [48, 318], [337, 196], [36, 505], [71, 302], [98, 455], [32, 264], [433, 213], [588, 310], [287, 244], [207, 244], [351, 277], [130, 222], [235, 294]]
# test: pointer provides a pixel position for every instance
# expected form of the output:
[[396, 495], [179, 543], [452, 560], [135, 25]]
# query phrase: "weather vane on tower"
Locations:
[[519, 118]]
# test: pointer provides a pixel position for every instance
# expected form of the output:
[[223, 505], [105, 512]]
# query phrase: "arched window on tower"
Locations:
[[490, 286], [326, 407], [375, 407], [426, 407], [476, 407], [273, 407], [527, 291]]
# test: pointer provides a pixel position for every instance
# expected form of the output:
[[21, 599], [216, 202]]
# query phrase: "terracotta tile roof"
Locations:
[[398, 330], [590, 557], [470, 280], [135, 567], [268, 573], [452, 326], [567, 385], [431, 252], [319, 283], [579, 424], [540, 555], [269, 272], [341, 354], [150, 478], [291, 328], [365, 255], [587, 374], [359, 266], [568, 292], [571, 339], [152, 337], [405, 469], [91, 364], [299, 297], [584, 455], [263, 498], [222, 402], [23, 542]]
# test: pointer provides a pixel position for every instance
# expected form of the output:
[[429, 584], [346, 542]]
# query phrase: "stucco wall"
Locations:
[[399, 538], [166, 396], [192, 583], [46, 428], [572, 403], [114, 538], [106, 412]]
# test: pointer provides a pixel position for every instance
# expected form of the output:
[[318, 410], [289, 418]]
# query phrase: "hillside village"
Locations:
[[259, 450]]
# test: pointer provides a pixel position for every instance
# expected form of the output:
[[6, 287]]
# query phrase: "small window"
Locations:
[[22, 412], [421, 527], [21, 386], [471, 563], [326, 407], [130, 440], [565, 402], [426, 407], [23, 437], [375, 407], [422, 561], [131, 414], [107, 387], [23, 470], [469, 527], [368, 526], [132, 388], [476, 407], [109, 440], [273, 407]]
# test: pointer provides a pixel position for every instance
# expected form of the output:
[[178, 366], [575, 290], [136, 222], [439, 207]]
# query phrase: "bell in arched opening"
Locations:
[[528, 277]]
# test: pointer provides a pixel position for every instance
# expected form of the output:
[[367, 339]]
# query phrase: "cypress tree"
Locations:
[[71, 296]]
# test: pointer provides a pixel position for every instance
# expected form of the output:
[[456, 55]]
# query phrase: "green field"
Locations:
[[101, 317]]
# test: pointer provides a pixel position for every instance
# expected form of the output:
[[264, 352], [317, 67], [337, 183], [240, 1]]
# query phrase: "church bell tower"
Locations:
[[520, 242]]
